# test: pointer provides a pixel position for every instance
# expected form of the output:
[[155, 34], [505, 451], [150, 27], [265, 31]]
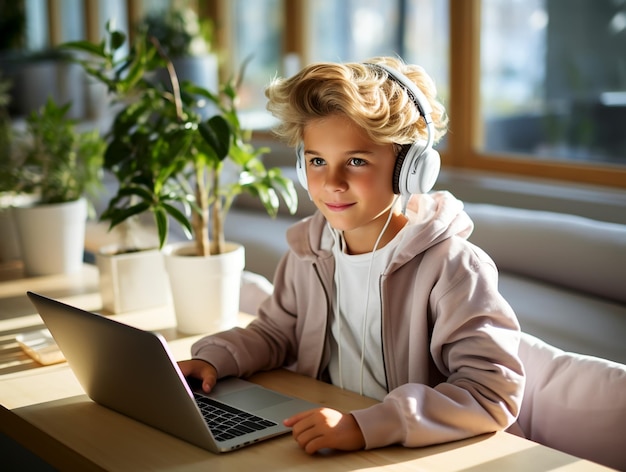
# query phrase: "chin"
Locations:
[[340, 225]]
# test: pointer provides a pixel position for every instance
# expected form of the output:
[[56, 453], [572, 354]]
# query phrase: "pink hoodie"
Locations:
[[449, 338]]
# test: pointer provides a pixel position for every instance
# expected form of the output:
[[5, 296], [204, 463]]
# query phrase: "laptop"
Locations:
[[133, 372]]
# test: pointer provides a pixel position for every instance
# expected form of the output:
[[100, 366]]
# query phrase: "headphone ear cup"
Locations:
[[300, 166], [428, 169], [397, 170], [420, 169]]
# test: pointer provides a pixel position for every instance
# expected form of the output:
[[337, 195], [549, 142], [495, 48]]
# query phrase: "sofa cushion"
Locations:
[[565, 318], [574, 403], [567, 250]]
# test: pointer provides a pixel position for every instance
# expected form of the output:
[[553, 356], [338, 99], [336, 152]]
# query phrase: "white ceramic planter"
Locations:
[[9, 241], [205, 290], [132, 281], [52, 237]]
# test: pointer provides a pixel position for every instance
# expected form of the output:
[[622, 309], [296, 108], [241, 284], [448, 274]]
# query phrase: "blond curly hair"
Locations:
[[359, 91]]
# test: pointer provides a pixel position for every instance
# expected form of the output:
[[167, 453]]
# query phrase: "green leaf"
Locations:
[[86, 46], [118, 38], [217, 134], [285, 187], [160, 217], [119, 215], [193, 89], [181, 218], [135, 190], [268, 198]]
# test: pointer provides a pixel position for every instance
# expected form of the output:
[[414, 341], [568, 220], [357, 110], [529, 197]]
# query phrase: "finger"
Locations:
[[292, 420], [208, 383], [312, 439], [315, 444], [308, 438]]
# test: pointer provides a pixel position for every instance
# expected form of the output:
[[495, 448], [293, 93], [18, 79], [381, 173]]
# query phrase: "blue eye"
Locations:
[[357, 162], [317, 161]]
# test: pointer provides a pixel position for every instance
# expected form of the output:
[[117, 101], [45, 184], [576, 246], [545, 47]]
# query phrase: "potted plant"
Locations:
[[171, 161], [187, 41], [60, 166]]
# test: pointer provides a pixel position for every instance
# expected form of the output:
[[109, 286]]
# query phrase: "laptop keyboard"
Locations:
[[227, 422]]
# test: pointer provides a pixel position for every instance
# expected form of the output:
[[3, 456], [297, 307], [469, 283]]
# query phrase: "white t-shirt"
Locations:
[[357, 289]]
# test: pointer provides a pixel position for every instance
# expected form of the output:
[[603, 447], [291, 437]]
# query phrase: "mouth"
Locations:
[[337, 207]]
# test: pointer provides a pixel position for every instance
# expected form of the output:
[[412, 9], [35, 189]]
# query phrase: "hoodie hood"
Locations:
[[433, 218]]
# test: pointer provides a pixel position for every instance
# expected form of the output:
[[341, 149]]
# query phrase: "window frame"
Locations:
[[463, 150]]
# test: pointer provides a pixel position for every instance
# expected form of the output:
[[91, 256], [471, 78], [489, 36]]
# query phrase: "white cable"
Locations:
[[367, 298]]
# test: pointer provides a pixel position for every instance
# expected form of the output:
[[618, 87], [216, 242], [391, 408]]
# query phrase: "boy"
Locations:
[[380, 292]]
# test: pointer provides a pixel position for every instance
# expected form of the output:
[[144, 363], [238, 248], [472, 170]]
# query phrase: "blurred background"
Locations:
[[533, 88]]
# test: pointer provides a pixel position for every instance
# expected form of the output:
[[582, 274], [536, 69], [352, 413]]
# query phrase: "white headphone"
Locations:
[[417, 164]]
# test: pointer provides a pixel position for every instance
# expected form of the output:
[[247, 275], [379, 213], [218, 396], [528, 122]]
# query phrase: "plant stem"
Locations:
[[178, 103], [217, 243], [199, 219]]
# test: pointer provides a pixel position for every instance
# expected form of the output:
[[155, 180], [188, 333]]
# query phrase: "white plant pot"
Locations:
[[205, 290], [9, 241], [131, 281], [52, 237]]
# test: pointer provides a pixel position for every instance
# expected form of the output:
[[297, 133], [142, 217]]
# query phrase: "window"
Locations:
[[523, 72], [257, 38], [352, 30], [36, 25], [355, 30], [72, 13], [553, 79], [426, 40]]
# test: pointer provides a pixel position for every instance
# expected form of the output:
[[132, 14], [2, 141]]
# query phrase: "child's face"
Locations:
[[349, 178]]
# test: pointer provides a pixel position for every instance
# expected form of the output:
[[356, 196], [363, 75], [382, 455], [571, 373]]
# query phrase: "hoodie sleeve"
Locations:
[[268, 342], [474, 344]]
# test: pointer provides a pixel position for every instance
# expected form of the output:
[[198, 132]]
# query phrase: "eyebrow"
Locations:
[[354, 151]]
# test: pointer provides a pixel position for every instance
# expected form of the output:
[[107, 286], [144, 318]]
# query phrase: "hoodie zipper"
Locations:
[[328, 311], [383, 324]]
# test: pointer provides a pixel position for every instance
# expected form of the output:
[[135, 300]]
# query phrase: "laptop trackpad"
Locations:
[[253, 398]]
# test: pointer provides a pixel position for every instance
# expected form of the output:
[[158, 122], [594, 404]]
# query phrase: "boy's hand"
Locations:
[[325, 428], [201, 370]]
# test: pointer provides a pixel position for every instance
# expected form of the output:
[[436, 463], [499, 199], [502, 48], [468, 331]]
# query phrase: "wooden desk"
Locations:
[[46, 410]]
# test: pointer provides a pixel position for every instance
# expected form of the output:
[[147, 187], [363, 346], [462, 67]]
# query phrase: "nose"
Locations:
[[335, 180]]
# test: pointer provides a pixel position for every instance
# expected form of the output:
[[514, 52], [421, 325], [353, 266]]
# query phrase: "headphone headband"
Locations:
[[414, 93]]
